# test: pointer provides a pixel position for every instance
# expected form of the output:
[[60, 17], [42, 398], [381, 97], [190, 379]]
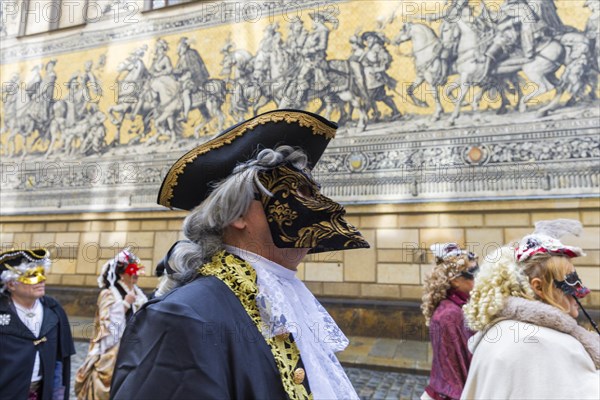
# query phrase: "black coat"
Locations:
[[196, 342], [18, 348]]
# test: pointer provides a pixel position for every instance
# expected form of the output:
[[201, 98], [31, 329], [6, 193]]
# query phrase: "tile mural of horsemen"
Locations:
[[376, 67]]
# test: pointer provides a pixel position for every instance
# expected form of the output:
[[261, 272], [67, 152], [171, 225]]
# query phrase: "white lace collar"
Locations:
[[259, 261], [286, 305]]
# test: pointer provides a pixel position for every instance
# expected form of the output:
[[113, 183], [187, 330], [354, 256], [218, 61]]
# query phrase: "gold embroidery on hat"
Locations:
[[318, 127]]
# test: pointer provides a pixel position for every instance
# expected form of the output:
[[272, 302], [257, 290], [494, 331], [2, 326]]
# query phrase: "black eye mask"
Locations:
[[470, 272], [299, 216], [572, 286]]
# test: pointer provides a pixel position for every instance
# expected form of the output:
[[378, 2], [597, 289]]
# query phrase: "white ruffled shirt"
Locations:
[[286, 305]]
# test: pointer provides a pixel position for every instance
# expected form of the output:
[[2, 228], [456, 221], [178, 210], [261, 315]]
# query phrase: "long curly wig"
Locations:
[[502, 276], [498, 278], [437, 282]]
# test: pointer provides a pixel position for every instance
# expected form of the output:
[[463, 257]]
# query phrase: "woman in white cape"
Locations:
[[524, 305]]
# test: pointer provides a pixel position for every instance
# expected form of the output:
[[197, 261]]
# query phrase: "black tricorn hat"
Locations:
[[15, 257], [189, 180]]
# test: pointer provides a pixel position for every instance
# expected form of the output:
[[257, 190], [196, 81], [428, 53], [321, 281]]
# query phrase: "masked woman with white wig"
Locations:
[[524, 305]]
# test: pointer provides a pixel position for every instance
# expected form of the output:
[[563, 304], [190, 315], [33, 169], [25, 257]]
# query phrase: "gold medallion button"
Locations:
[[299, 375]]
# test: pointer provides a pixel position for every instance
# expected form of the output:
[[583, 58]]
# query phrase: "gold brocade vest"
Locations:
[[240, 277]]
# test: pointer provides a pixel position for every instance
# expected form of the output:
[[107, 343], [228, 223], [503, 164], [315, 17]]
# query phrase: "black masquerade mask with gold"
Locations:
[[299, 216]]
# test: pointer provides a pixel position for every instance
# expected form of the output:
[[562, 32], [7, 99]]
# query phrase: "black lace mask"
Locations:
[[572, 286], [299, 216]]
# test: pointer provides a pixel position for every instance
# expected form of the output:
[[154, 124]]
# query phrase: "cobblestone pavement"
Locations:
[[369, 384]]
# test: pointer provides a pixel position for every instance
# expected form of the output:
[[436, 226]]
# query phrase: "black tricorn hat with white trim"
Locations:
[[189, 180]]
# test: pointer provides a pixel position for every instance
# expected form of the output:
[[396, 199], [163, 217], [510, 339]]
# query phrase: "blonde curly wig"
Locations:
[[498, 278], [437, 282], [501, 276]]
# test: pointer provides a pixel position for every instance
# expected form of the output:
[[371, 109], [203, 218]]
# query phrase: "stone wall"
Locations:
[[392, 269]]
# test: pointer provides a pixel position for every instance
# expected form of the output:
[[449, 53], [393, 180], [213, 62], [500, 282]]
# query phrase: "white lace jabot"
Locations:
[[286, 305]]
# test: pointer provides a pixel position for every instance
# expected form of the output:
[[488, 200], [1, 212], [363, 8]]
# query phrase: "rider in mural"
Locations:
[[44, 97], [75, 102], [314, 60], [34, 81], [376, 60], [161, 64], [449, 32], [357, 48], [522, 24], [273, 49], [90, 83], [295, 39], [592, 33], [128, 92], [192, 73], [10, 98]]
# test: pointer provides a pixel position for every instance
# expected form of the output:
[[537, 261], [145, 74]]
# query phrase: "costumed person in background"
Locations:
[[447, 290], [35, 336], [233, 329], [170, 274], [119, 299], [524, 305]]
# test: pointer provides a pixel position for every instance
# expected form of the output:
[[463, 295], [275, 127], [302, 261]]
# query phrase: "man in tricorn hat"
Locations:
[[241, 325], [35, 336]]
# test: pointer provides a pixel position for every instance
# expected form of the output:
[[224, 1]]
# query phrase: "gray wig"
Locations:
[[229, 200]]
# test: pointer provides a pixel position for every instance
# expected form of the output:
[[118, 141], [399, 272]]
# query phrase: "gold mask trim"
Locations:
[[33, 276], [294, 194], [318, 128]]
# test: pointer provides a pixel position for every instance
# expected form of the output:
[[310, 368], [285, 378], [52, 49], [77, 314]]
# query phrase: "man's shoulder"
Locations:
[[204, 295], [51, 302]]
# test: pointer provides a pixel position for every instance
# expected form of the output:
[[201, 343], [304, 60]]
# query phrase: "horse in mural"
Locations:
[[426, 53], [237, 69], [166, 92], [540, 70], [428, 65], [16, 118], [132, 99], [22, 118], [268, 78], [346, 86], [209, 100]]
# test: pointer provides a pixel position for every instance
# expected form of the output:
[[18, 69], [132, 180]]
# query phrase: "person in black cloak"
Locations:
[[238, 323], [35, 336]]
